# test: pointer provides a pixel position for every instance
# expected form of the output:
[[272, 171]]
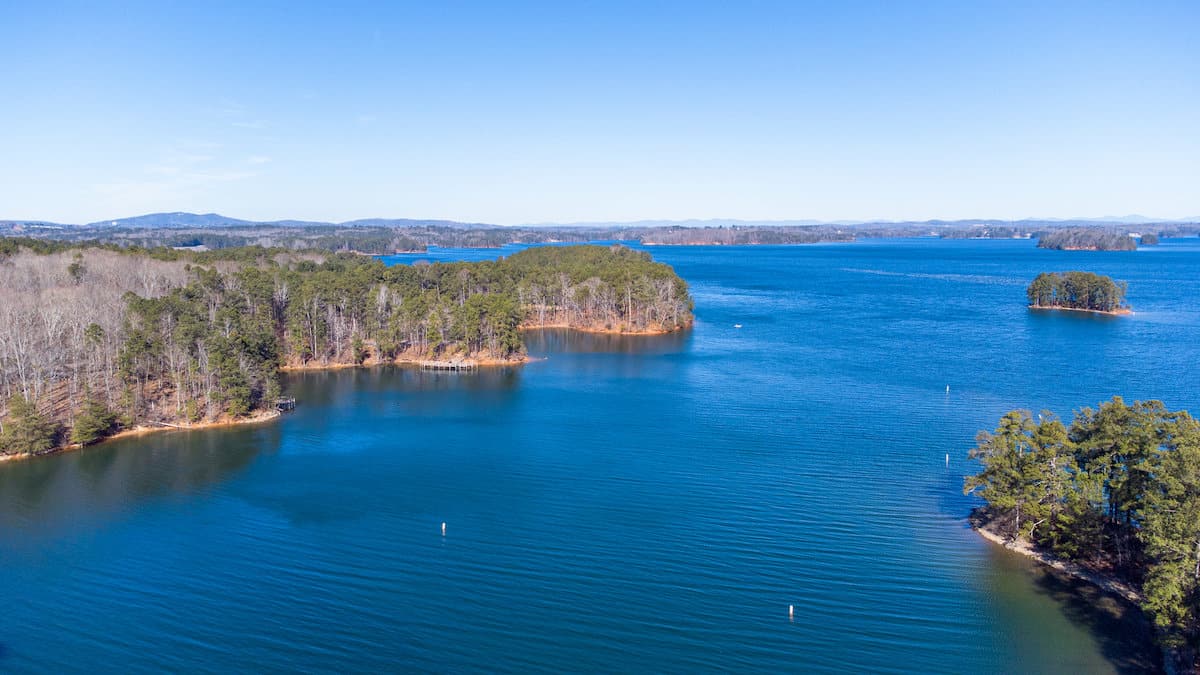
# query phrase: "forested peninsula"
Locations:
[[94, 339], [1079, 291], [1115, 496]]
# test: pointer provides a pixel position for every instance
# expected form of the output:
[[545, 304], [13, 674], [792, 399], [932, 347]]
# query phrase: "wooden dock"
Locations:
[[448, 365], [285, 404]]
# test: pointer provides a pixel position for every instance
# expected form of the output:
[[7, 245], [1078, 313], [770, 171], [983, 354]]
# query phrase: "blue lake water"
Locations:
[[622, 504]]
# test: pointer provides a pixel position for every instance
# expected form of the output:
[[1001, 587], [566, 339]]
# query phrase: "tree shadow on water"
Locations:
[[1123, 632]]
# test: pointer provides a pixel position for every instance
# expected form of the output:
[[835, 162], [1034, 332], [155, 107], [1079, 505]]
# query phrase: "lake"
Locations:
[[629, 504]]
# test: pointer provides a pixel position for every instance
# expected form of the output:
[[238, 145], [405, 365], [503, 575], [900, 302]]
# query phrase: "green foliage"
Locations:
[[76, 268], [1076, 290], [94, 422], [218, 341], [360, 351], [1027, 469], [1121, 486], [26, 431], [1170, 532]]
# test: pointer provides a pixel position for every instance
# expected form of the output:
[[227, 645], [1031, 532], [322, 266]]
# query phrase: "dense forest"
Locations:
[[1118, 491], [1087, 239], [93, 338], [1077, 290]]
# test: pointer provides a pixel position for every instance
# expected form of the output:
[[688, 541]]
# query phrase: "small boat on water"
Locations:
[[737, 325]]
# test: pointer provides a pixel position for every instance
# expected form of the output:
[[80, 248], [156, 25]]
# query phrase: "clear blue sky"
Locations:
[[600, 111]]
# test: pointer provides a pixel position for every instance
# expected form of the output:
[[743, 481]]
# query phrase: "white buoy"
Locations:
[[443, 529]]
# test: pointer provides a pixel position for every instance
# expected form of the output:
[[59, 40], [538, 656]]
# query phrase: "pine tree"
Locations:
[[94, 422], [26, 431], [1170, 531]]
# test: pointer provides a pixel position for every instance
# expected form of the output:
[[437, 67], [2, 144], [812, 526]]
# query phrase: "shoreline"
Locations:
[[268, 415], [1104, 582], [1094, 249], [602, 331], [1173, 660], [142, 430], [473, 361], [373, 363], [1124, 311]]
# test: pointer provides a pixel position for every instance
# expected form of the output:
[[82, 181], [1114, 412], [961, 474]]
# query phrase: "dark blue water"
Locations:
[[624, 504]]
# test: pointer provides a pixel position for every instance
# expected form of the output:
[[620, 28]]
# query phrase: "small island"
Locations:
[[1113, 498], [1078, 291], [1086, 239], [100, 339]]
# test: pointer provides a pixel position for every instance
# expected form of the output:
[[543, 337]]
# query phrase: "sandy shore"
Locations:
[[1174, 661], [1106, 583], [256, 418], [1124, 311]]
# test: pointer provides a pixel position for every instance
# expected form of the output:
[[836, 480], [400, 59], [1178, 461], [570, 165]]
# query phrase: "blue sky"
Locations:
[[600, 111]]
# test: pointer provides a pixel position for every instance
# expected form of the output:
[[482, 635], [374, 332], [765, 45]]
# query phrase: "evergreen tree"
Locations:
[[1170, 531], [1121, 488], [25, 431], [94, 422], [1009, 479]]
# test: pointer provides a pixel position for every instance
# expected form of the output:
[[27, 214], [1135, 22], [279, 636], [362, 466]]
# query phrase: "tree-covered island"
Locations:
[[98, 338], [1087, 239], [1114, 497], [1080, 291]]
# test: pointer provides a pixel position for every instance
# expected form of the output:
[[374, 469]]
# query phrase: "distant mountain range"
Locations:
[[182, 219], [215, 220]]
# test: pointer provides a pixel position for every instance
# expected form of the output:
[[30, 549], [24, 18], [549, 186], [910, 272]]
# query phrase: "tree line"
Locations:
[[92, 338], [1077, 290], [1117, 490], [383, 236]]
